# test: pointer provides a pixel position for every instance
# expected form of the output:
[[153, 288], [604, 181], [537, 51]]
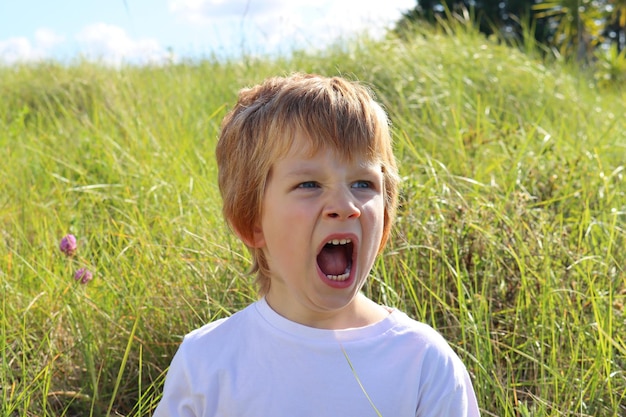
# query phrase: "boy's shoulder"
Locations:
[[422, 332], [217, 347], [223, 330]]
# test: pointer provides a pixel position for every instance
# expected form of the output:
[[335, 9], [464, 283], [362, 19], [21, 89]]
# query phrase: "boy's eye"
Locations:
[[362, 184], [308, 184]]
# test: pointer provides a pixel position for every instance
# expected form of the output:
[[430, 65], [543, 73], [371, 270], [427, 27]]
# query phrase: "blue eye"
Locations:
[[362, 184], [308, 184]]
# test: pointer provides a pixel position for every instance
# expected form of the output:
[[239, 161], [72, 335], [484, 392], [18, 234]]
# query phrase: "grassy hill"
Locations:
[[511, 236]]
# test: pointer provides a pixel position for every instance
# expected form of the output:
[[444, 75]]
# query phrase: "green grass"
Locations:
[[510, 240]]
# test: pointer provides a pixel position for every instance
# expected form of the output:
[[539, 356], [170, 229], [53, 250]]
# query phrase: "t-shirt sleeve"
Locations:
[[446, 389], [177, 399]]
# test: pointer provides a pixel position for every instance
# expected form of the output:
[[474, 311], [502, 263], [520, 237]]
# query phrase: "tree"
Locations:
[[574, 28], [490, 16], [616, 28], [578, 25]]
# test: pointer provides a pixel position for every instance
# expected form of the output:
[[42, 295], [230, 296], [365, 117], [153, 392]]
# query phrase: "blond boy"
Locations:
[[309, 184]]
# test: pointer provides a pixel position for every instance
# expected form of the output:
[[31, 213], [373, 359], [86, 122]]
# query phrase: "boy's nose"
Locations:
[[341, 205]]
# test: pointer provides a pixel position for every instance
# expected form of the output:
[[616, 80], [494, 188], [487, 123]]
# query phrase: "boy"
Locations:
[[309, 183]]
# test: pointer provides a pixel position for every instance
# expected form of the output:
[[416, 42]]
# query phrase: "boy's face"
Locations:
[[321, 227]]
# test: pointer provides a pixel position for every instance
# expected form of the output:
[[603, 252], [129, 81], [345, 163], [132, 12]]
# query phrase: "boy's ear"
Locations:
[[256, 240]]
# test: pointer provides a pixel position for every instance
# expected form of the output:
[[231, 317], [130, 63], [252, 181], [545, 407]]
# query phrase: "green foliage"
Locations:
[[579, 25], [570, 29], [611, 68], [511, 236]]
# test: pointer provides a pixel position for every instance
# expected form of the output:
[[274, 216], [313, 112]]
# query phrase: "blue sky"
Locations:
[[144, 31]]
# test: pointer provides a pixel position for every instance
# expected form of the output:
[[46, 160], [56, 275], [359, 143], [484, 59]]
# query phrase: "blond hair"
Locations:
[[333, 113]]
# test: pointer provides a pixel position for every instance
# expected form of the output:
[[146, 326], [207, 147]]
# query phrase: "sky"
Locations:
[[158, 31]]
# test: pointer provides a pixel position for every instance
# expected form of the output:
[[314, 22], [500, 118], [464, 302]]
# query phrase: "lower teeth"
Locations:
[[341, 277]]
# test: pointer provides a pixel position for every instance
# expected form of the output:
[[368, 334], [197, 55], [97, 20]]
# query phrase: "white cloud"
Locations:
[[112, 45], [47, 39], [22, 49], [228, 26], [15, 50], [205, 11], [270, 24], [360, 15], [107, 43]]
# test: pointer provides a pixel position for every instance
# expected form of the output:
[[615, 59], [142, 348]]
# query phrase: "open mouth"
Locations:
[[335, 259]]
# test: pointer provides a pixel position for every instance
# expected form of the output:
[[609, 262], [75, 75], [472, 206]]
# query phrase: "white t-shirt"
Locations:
[[256, 363]]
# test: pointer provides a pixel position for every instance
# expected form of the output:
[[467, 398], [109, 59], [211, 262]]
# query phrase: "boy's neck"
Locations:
[[360, 312]]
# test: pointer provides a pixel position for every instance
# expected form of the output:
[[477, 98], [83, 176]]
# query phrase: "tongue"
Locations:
[[332, 260]]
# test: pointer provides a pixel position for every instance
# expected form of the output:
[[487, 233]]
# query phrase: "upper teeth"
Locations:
[[339, 241]]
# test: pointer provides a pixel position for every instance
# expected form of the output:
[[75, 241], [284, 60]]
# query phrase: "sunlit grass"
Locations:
[[510, 240]]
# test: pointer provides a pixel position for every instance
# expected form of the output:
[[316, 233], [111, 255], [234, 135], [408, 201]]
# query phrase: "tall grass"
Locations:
[[511, 236]]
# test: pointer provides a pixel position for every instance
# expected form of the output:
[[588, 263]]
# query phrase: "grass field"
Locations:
[[511, 236]]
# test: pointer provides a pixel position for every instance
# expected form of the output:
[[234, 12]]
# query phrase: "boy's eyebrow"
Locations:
[[303, 169]]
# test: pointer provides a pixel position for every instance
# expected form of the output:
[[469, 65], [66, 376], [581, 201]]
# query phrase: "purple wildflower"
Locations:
[[68, 245], [83, 275]]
